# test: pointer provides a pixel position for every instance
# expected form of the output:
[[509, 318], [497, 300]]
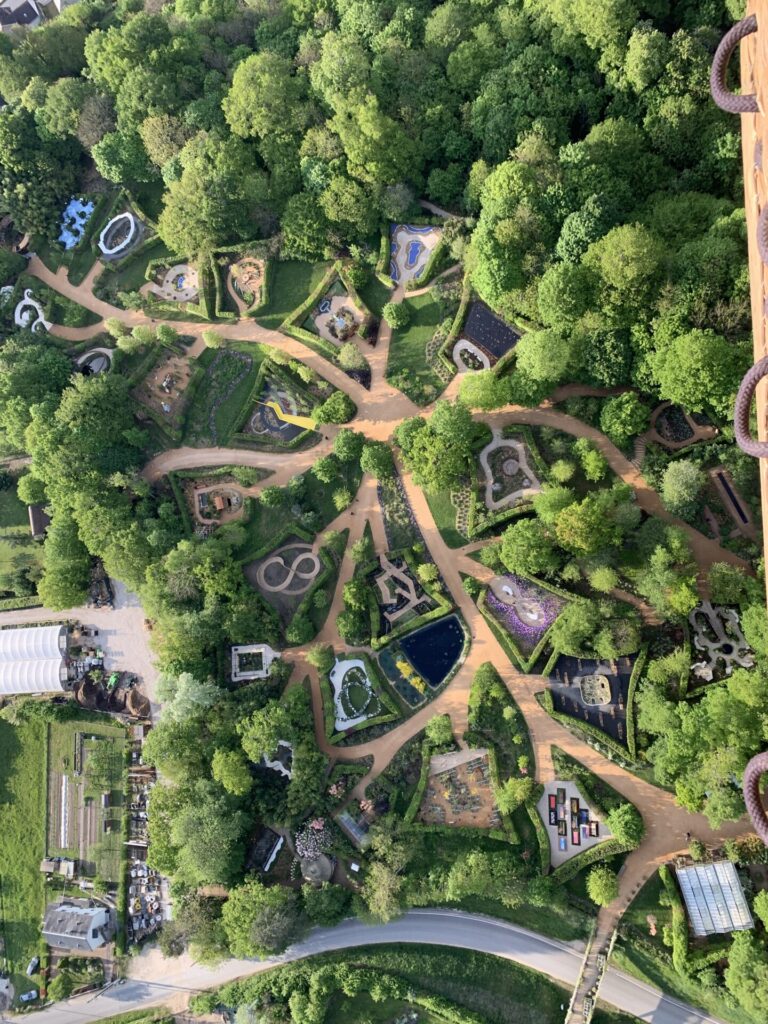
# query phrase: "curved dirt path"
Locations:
[[380, 410]]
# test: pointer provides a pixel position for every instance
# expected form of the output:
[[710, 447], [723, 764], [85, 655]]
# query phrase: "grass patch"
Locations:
[[148, 197], [375, 295], [444, 514], [17, 549], [640, 964], [129, 274], [23, 789], [407, 367], [292, 281], [565, 924]]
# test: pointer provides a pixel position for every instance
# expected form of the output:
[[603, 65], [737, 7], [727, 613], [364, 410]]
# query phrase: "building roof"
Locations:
[[714, 898], [75, 924], [39, 520], [15, 13], [32, 659]]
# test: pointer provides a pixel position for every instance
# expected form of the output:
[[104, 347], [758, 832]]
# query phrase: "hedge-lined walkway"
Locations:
[[380, 410]]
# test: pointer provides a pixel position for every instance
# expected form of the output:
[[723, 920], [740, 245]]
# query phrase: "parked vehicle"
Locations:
[[33, 965], [28, 997]]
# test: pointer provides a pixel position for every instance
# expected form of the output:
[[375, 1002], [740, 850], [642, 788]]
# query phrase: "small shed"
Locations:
[[39, 521]]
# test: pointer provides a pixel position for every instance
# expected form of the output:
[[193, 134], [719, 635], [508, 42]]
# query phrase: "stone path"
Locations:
[[379, 412]]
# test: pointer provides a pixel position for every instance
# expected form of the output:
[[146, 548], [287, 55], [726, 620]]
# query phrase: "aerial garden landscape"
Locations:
[[385, 354]]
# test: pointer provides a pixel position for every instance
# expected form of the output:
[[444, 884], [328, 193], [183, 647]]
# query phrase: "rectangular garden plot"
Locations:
[[164, 390], [483, 340], [593, 691], [460, 792]]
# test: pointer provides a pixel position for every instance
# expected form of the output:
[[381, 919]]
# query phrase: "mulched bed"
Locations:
[[488, 330]]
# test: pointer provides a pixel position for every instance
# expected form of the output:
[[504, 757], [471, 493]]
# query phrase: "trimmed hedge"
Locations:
[[469, 832], [545, 856], [218, 306], [679, 922], [613, 748], [571, 868], [634, 679], [437, 258], [418, 795], [445, 350], [381, 270], [9, 604], [186, 515]]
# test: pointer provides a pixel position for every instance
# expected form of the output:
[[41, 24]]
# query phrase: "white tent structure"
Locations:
[[33, 660]]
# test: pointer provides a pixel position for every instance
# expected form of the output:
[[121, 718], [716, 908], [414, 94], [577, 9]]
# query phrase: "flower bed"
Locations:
[[530, 612]]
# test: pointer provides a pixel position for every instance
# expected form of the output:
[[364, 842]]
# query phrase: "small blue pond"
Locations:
[[413, 252], [435, 649], [73, 221]]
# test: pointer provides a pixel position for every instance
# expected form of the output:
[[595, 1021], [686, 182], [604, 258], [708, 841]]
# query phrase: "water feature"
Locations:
[[435, 649], [73, 220]]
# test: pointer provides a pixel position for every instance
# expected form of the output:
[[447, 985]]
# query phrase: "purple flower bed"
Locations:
[[526, 635]]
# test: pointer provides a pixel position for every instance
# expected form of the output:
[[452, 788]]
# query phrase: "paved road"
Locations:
[[561, 961]]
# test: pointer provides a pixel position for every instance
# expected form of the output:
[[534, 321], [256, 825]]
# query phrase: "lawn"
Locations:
[[216, 405], [17, 549], [129, 275], [375, 295], [499, 991], [407, 367], [23, 790], [292, 281], [444, 514], [641, 964]]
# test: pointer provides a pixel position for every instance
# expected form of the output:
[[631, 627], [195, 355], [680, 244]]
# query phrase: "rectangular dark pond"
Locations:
[[489, 331], [435, 649]]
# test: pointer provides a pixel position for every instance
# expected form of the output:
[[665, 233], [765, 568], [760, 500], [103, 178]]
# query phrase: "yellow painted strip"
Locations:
[[286, 417]]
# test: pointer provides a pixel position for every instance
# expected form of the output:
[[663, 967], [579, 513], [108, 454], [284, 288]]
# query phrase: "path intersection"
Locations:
[[380, 410]]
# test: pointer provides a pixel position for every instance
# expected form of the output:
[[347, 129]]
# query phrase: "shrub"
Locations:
[[339, 408], [397, 314], [602, 885]]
